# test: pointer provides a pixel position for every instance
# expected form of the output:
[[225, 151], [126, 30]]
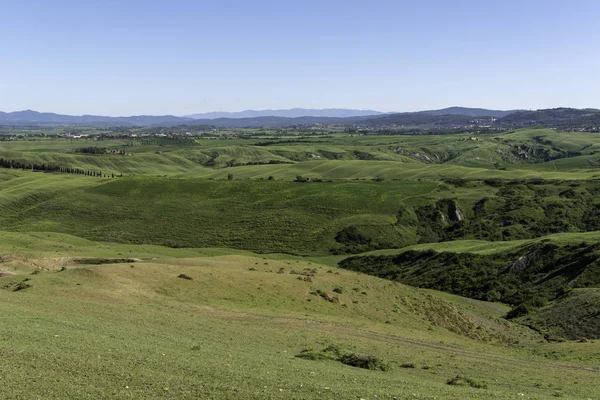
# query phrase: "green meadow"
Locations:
[[262, 265]]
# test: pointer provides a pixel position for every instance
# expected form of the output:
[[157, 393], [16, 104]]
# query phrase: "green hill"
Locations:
[[144, 263], [528, 277], [233, 326]]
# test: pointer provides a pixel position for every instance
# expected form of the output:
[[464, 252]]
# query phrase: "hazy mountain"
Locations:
[[449, 117], [291, 113], [267, 122], [29, 117], [554, 117], [472, 112], [417, 119]]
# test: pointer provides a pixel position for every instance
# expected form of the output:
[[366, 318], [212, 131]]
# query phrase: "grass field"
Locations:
[[232, 331], [511, 155], [212, 262]]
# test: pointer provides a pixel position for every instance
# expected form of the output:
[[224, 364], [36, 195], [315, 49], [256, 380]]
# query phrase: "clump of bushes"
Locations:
[[184, 276], [363, 361], [326, 296], [99, 261], [459, 380], [22, 285], [331, 352], [329, 298], [334, 353], [305, 272]]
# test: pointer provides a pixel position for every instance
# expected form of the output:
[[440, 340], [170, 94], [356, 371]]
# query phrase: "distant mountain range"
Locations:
[[29, 117], [250, 118], [291, 113], [471, 112], [555, 117], [449, 117]]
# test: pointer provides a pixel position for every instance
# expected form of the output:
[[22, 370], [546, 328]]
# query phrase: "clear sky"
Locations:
[[125, 57]]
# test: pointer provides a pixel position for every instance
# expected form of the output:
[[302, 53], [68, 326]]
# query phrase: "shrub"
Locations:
[[363, 361], [333, 352], [311, 354], [184, 276], [520, 310], [331, 299], [22, 286], [459, 380]]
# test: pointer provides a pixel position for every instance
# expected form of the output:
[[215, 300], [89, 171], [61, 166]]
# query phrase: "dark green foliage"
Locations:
[[98, 261], [310, 354], [526, 279], [91, 150], [22, 285], [523, 309], [519, 210], [363, 155], [32, 166], [363, 361], [460, 380], [184, 276], [574, 316], [351, 234], [361, 238], [333, 352], [459, 182]]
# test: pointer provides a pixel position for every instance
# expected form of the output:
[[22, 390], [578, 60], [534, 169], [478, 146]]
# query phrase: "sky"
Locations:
[[131, 57]]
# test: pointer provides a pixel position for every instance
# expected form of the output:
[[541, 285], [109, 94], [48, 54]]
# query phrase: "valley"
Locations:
[[282, 263]]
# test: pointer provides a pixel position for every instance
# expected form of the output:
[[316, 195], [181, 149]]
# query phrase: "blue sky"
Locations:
[[181, 56]]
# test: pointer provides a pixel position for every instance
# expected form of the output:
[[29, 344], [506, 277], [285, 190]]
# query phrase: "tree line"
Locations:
[[51, 168]]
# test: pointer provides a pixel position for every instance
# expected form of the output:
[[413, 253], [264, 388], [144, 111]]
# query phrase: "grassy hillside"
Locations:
[[209, 269], [526, 153], [137, 330], [311, 218], [290, 217], [528, 275], [574, 317]]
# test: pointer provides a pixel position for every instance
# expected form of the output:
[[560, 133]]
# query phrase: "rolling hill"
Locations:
[[29, 117], [250, 118], [209, 265], [472, 112], [563, 118], [291, 113]]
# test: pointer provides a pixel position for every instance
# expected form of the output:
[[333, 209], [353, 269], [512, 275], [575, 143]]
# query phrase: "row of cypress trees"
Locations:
[[49, 168]]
